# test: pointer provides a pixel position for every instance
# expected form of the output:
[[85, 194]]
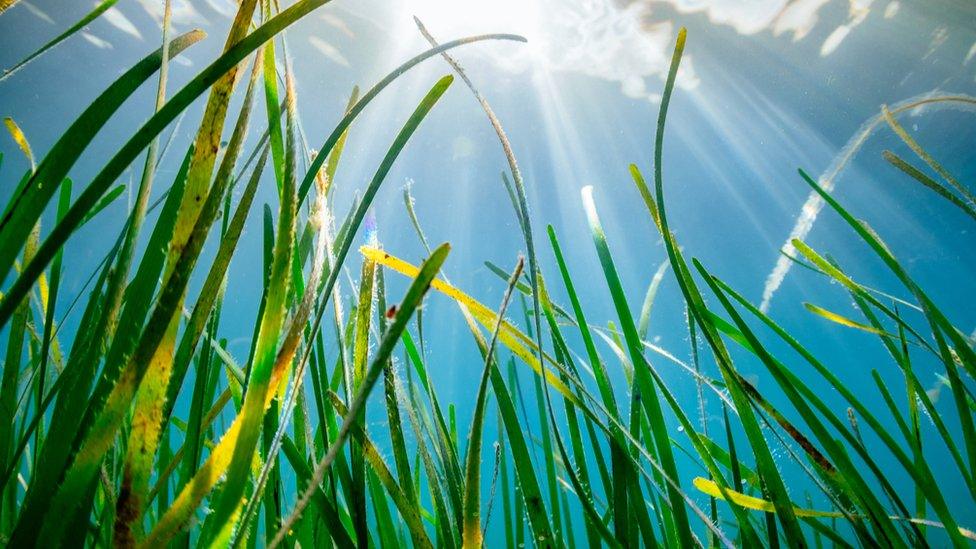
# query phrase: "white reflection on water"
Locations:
[[115, 18], [629, 42]]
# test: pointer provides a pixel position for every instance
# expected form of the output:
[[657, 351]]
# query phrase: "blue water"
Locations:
[[768, 87]]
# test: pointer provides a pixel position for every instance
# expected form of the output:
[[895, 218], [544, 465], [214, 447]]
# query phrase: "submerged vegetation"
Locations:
[[95, 451]]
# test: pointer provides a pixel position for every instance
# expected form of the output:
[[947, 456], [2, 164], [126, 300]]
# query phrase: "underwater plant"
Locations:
[[276, 450]]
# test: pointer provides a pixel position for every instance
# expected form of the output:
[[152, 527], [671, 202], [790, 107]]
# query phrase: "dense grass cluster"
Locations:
[[92, 453]]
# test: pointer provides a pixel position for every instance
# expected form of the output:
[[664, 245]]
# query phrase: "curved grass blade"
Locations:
[[13, 361], [211, 286], [26, 206], [127, 153], [218, 461], [360, 352], [766, 465], [510, 336], [617, 454], [517, 193], [48, 338], [392, 398], [107, 416], [325, 506], [471, 534], [577, 473], [69, 413], [340, 129], [644, 386], [527, 484], [101, 8], [21, 140], [925, 156], [920, 473], [228, 503], [645, 315], [814, 203], [841, 475], [408, 510], [842, 320], [466, 304], [184, 251], [295, 332], [960, 350], [930, 183], [543, 537], [708, 487], [411, 301]]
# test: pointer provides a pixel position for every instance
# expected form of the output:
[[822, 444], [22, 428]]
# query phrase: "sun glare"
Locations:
[[455, 18], [465, 16]]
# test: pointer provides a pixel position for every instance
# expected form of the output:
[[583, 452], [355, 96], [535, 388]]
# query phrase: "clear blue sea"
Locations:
[[767, 87]]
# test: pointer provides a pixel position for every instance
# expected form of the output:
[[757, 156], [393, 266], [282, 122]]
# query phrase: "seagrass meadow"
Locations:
[[513, 289]]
